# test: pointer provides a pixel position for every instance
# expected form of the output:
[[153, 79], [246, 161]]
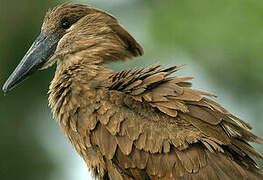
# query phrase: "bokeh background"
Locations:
[[220, 42]]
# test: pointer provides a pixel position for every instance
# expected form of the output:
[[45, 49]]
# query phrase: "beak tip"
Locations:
[[5, 88]]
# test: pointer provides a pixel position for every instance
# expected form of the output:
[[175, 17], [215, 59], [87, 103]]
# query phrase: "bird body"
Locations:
[[139, 123]]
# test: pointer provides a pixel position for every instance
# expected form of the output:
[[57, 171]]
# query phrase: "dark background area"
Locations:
[[220, 41]]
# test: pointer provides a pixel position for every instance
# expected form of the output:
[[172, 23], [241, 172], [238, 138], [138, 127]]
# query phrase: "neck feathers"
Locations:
[[71, 87]]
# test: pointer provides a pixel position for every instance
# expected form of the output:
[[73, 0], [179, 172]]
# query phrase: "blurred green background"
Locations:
[[220, 41]]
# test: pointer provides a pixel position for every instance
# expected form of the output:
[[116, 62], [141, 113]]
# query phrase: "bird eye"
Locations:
[[65, 24]]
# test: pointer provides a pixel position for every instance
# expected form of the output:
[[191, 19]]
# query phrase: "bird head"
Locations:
[[78, 30]]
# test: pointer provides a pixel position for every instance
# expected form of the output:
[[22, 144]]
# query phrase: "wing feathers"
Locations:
[[153, 126], [106, 142], [125, 144]]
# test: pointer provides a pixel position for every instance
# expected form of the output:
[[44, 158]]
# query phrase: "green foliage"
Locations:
[[224, 36]]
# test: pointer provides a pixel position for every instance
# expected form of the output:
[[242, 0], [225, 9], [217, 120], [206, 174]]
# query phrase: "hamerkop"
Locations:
[[137, 123]]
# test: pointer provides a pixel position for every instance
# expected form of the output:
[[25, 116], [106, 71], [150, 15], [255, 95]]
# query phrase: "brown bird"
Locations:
[[138, 123]]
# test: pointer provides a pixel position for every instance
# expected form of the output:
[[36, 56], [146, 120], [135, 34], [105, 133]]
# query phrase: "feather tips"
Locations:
[[150, 125]]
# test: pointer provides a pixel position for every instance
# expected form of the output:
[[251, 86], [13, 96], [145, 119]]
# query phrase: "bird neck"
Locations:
[[74, 82], [78, 71]]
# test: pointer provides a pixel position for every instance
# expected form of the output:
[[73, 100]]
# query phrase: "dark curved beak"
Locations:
[[40, 52]]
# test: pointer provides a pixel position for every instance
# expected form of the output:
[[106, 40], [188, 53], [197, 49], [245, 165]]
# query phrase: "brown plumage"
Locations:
[[137, 123]]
